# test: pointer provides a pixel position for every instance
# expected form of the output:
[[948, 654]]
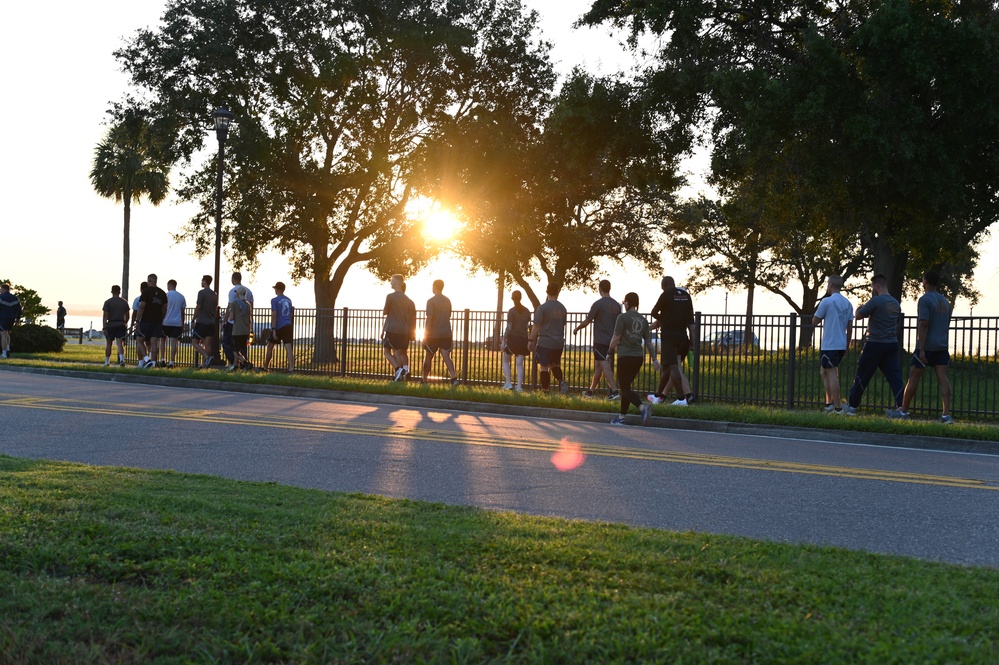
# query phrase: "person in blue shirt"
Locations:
[[282, 327], [10, 313]]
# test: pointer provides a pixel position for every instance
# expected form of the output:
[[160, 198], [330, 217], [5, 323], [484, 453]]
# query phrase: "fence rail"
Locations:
[[767, 360]]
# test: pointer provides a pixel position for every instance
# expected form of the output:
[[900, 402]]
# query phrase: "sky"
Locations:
[[63, 240]]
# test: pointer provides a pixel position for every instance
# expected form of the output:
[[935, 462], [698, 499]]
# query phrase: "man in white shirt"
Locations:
[[227, 347], [836, 314], [173, 321]]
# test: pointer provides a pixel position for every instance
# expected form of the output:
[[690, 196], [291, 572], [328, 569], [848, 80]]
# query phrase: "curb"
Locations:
[[540, 413]]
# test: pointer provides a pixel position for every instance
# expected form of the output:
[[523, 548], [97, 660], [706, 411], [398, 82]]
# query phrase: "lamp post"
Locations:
[[222, 117]]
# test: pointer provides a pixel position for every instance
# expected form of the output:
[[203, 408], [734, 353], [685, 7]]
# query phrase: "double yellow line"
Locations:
[[481, 439]]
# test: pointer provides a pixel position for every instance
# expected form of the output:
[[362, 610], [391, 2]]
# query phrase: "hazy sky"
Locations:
[[64, 241]]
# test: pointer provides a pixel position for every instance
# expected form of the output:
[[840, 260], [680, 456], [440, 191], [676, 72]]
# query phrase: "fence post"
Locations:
[[695, 370], [343, 343], [465, 344], [792, 360]]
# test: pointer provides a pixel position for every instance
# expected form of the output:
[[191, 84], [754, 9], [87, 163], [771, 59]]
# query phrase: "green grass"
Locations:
[[91, 357], [123, 566]]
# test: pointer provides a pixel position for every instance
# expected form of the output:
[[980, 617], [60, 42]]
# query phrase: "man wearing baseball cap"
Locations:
[[282, 327]]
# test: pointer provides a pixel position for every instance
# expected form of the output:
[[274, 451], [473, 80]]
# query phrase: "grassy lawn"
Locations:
[[91, 357], [121, 566]]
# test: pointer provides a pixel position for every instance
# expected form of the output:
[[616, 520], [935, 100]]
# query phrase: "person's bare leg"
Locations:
[[915, 374], [289, 350], [449, 364], [945, 389]]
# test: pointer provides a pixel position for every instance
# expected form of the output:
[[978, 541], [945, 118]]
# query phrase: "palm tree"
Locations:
[[127, 168]]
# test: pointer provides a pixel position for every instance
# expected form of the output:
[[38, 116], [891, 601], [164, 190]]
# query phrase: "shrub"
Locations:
[[32, 338]]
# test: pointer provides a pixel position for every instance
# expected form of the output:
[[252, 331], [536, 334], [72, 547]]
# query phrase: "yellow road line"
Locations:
[[479, 439]]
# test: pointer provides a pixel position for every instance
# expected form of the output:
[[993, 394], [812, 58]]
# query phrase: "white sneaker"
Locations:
[[654, 399], [107, 362], [507, 386], [679, 402], [646, 414], [398, 374], [142, 364]]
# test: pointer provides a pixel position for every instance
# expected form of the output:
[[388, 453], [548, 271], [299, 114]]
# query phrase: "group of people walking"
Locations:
[[156, 321], [881, 344]]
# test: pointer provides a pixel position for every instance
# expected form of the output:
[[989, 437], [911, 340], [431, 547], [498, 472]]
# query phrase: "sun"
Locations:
[[441, 225]]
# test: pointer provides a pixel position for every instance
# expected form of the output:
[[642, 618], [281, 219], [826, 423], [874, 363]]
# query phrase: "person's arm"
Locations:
[[104, 321], [651, 350], [587, 321], [615, 341], [849, 332], [922, 329], [139, 312], [249, 319]]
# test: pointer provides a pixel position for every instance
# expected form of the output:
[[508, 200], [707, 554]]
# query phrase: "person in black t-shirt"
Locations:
[[152, 307], [115, 324], [674, 313]]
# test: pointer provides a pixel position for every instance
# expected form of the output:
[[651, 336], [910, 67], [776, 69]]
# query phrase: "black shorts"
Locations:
[[516, 346], [673, 347], [205, 330], [602, 352], [282, 335], [435, 344], [831, 359], [548, 357], [173, 332], [397, 341], [6, 325], [116, 330], [150, 330], [933, 359]]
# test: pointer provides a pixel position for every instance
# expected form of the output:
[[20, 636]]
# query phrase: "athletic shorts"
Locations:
[[601, 352], [116, 330], [435, 344], [6, 325], [933, 359], [831, 359], [205, 330], [282, 335], [548, 357], [150, 330], [397, 341], [673, 347], [173, 332], [516, 346]]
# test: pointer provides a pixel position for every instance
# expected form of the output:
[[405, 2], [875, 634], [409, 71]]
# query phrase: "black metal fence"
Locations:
[[769, 360]]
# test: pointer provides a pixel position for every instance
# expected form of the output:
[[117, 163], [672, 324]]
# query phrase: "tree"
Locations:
[[586, 185], [891, 107], [127, 167], [32, 308], [337, 104]]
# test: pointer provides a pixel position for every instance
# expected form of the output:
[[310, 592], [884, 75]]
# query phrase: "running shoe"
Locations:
[[829, 408], [614, 395], [107, 362], [507, 386], [170, 365], [646, 414], [587, 394], [897, 414], [456, 383], [398, 374], [654, 399], [564, 387], [618, 420], [679, 402], [947, 419], [850, 410], [121, 363], [142, 364]]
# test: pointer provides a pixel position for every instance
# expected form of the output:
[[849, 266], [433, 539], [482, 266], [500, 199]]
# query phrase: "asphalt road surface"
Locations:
[[927, 504]]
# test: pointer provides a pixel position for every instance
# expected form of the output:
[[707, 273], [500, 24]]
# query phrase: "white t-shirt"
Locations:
[[836, 312], [176, 304]]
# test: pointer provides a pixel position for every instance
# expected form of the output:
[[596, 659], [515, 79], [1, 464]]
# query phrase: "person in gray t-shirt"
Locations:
[[399, 328], [880, 345], [437, 335], [547, 339], [603, 315], [933, 312]]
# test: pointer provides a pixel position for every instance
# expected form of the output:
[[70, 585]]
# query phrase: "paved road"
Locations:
[[927, 504]]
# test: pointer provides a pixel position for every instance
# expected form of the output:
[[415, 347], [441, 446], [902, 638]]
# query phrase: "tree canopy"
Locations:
[[337, 104], [887, 110]]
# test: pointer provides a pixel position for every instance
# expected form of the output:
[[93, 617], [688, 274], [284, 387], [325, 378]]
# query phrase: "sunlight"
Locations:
[[441, 225]]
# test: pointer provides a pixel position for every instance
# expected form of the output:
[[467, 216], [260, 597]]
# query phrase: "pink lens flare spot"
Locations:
[[569, 456]]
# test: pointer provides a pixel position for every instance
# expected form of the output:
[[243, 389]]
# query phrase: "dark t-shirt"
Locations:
[[517, 322], [675, 311], [883, 311], [400, 313], [60, 317], [208, 301], [156, 302], [10, 307], [550, 317], [117, 309], [604, 313], [438, 317]]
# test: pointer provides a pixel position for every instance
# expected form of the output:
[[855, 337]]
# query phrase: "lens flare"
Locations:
[[569, 456]]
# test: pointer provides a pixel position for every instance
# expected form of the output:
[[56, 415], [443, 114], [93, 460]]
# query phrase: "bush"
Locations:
[[31, 338]]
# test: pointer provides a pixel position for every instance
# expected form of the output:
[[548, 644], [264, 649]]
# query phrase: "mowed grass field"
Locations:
[[102, 565]]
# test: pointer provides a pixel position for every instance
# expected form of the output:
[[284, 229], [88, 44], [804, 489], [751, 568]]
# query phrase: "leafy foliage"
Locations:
[[33, 338]]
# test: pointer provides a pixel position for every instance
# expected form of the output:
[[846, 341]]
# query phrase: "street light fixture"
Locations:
[[222, 117]]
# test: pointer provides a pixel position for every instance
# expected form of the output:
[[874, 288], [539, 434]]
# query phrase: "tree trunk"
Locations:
[[890, 263], [325, 342], [809, 303], [747, 339], [498, 327], [125, 245]]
